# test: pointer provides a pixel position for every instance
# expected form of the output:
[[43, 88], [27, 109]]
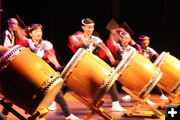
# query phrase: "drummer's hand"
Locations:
[[113, 61], [111, 58], [58, 67]]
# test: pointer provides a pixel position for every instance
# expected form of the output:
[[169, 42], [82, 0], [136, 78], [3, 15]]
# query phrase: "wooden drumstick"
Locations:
[[21, 21]]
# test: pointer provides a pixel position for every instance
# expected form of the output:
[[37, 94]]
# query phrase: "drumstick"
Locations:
[[21, 21], [126, 26]]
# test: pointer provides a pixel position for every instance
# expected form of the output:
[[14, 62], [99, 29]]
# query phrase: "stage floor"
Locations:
[[80, 110]]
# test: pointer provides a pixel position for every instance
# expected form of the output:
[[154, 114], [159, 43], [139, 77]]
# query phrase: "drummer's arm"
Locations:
[[157, 54], [154, 57], [50, 55], [20, 33], [20, 36], [74, 42], [108, 52], [114, 34]]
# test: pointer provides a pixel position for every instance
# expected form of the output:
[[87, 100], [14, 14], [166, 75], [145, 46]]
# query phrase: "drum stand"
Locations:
[[37, 116], [95, 108], [173, 97], [133, 111]]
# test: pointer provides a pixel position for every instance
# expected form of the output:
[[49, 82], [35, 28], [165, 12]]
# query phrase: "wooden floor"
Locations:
[[80, 110]]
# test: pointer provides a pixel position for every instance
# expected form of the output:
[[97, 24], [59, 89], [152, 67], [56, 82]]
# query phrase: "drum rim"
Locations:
[[41, 94], [105, 86], [9, 55], [125, 62], [160, 60], [72, 63], [151, 84], [176, 87]]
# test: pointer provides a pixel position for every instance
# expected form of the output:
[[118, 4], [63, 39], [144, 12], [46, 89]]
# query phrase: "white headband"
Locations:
[[125, 35], [12, 21], [82, 21]]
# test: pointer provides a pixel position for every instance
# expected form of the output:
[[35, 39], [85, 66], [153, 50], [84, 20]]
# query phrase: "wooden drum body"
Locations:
[[27, 80], [88, 76], [170, 67], [138, 74]]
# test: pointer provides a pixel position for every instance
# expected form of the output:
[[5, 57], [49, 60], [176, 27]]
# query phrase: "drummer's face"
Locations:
[[88, 29], [145, 43], [13, 26], [125, 41], [36, 35]]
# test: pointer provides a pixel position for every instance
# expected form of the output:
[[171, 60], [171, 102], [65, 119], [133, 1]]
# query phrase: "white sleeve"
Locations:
[[48, 45], [97, 40], [152, 51]]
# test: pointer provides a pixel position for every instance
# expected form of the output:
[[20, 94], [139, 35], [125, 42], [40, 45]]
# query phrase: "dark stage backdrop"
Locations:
[[158, 19]]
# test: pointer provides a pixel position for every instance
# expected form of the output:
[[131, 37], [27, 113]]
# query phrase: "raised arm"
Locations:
[[50, 55], [107, 51]]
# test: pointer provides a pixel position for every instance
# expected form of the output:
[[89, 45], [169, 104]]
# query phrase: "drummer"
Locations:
[[12, 35], [45, 50], [114, 37], [147, 51], [92, 44], [9, 38], [152, 55], [120, 48], [120, 44]]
